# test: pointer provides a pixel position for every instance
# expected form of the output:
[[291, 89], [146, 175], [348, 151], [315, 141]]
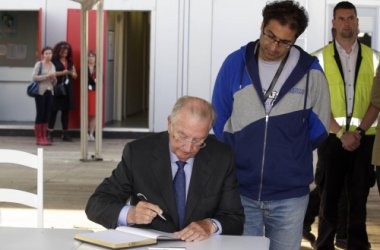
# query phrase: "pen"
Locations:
[[143, 198]]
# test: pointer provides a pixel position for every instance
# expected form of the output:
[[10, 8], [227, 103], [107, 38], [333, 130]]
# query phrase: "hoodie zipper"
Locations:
[[263, 159], [264, 145]]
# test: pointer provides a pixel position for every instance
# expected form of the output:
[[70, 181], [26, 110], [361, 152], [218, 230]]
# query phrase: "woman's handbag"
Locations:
[[60, 89], [33, 87]]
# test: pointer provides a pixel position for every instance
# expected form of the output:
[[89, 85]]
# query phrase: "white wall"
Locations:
[[167, 66], [56, 20], [316, 32]]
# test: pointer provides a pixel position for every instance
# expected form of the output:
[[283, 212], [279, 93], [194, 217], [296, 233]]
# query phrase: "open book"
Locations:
[[124, 237]]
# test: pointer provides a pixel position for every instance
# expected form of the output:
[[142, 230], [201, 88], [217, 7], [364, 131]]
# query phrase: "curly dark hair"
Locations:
[[288, 13], [61, 46]]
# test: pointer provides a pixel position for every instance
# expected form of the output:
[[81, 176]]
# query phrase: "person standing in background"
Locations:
[[91, 94], [345, 156], [44, 74], [63, 100], [273, 107]]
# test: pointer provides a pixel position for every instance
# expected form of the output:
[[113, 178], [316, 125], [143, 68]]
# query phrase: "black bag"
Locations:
[[60, 89], [33, 87]]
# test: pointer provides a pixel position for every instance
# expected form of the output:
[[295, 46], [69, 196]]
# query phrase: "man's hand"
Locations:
[[197, 231], [143, 213], [350, 140]]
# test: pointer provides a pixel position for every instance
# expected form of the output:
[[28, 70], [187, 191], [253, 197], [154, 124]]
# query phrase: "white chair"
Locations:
[[35, 200]]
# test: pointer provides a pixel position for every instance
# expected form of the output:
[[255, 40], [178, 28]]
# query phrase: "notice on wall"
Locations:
[[16, 51], [19, 38]]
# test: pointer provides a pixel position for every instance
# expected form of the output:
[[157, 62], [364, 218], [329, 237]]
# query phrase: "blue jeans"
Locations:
[[281, 221]]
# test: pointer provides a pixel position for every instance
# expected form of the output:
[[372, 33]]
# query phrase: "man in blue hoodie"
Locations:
[[273, 107]]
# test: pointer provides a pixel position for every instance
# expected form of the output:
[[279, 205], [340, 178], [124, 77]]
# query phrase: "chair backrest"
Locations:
[[35, 200]]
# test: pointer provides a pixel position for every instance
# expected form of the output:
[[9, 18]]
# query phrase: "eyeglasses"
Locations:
[[280, 43], [183, 140]]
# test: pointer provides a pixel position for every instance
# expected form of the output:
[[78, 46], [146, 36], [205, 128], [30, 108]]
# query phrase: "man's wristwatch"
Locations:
[[215, 227], [360, 131]]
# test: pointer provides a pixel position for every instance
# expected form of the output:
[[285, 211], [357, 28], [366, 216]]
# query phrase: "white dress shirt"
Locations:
[[348, 61]]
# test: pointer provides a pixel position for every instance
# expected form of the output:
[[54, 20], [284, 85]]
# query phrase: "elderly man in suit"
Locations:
[[181, 181]]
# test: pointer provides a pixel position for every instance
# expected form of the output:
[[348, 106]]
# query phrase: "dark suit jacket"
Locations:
[[145, 168]]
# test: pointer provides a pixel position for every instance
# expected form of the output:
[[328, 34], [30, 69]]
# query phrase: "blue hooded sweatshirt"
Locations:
[[273, 151]]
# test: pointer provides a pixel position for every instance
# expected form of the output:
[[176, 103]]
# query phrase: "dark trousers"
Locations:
[[43, 106], [355, 170], [341, 227], [64, 119], [313, 211]]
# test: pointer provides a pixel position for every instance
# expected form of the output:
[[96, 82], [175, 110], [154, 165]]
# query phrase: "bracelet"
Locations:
[[340, 133]]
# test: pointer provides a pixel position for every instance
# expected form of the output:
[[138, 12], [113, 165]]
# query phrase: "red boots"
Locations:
[[40, 131], [43, 132], [37, 132]]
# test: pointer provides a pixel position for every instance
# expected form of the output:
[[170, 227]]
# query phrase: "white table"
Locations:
[[13, 238], [62, 239], [222, 242]]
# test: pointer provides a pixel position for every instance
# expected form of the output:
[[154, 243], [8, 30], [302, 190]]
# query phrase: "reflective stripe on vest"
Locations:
[[355, 122]]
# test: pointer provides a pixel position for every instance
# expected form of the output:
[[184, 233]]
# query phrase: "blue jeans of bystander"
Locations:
[[281, 221]]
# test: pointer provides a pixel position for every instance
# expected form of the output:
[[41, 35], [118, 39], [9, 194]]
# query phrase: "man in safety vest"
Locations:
[[346, 155]]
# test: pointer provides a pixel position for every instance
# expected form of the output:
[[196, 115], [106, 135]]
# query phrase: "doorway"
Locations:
[[128, 58]]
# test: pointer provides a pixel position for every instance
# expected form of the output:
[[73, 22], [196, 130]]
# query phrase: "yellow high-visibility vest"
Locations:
[[363, 86]]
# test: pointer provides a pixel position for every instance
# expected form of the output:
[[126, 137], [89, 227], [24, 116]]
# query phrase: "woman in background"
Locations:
[[44, 74], [63, 100], [91, 94]]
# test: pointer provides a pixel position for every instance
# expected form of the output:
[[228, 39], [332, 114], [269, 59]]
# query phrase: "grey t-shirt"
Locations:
[[267, 70]]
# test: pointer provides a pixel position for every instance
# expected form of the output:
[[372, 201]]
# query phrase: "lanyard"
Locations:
[[276, 76]]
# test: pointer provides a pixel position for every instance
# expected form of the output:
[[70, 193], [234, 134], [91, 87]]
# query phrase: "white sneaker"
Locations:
[[91, 137]]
